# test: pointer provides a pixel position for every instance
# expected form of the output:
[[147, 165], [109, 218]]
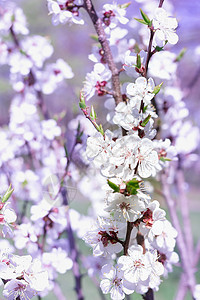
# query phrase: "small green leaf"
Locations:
[[101, 129], [7, 194], [93, 113], [146, 120], [113, 186], [94, 37], [164, 159], [24, 183], [144, 108], [158, 49], [22, 52], [82, 104], [157, 88], [125, 5], [132, 186], [138, 61], [181, 54], [145, 17], [141, 21]]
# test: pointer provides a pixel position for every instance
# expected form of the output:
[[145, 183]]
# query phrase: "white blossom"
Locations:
[[165, 27], [104, 237], [141, 90], [61, 14], [114, 283], [127, 207]]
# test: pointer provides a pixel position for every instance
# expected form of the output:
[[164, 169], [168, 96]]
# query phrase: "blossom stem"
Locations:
[[149, 295], [149, 52], [161, 3], [128, 236], [73, 250], [88, 5], [90, 119]]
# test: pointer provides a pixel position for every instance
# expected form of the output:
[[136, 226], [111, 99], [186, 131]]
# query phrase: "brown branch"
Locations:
[[88, 5], [128, 236], [149, 52], [149, 295]]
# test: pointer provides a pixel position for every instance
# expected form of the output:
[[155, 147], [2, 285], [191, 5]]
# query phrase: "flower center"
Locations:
[[99, 85], [107, 17], [138, 263]]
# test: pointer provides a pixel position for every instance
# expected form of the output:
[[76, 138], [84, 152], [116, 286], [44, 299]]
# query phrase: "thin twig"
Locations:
[[150, 53], [88, 5], [73, 249]]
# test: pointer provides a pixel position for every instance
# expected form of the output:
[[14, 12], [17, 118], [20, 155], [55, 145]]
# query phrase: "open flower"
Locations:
[[135, 265], [125, 207], [165, 27], [114, 283], [105, 236]]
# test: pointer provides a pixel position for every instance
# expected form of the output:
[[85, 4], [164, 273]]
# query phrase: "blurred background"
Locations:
[[73, 44]]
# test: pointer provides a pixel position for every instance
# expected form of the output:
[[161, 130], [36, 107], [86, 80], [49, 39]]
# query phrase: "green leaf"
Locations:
[[101, 129], [125, 5], [22, 52], [7, 194], [145, 17], [93, 114], [94, 37], [146, 120], [82, 104], [164, 159], [157, 88], [141, 21], [138, 61], [144, 108], [158, 49], [24, 183], [181, 54], [132, 186], [113, 186]]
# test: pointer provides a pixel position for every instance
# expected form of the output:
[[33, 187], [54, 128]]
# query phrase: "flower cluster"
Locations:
[[132, 240]]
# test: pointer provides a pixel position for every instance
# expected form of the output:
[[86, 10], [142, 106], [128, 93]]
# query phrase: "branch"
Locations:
[[149, 295], [149, 52], [88, 5], [73, 250], [128, 236]]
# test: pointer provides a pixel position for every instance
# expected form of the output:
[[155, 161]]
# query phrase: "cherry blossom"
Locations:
[[165, 26], [105, 236], [113, 282], [62, 13]]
